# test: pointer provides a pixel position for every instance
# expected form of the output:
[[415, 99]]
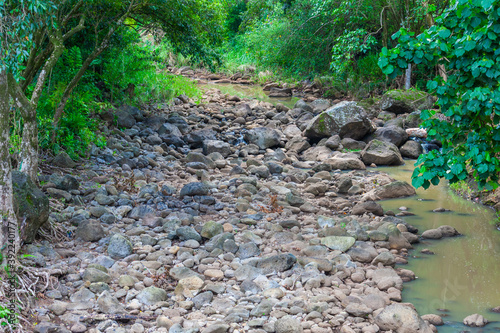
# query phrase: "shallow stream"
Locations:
[[463, 276], [250, 91]]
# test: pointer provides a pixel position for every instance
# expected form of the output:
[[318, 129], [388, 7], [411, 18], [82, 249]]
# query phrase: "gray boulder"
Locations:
[[30, 204], [368, 207], [396, 189], [152, 295], [393, 134], [263, 137], [401, 319], [381, 153], [90, 231], [108, 304], [119, 247], [63, 160], [216, 146], [346, 119], [411, 149], [277, 263], [287, 324], [192, 189]]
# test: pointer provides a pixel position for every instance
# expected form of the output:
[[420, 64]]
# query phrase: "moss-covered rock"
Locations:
[[31, 205], [346, 119], [406, 101]]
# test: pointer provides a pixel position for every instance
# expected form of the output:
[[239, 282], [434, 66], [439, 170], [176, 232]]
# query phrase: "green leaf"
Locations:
[[486, 4], [445, 33], [388, 70]]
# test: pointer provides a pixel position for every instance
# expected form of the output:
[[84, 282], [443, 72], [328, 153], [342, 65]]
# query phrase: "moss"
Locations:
[[406, 95], [321, 124]]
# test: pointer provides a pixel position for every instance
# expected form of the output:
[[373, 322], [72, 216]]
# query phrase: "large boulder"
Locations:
[[127, 116], [405, 101], [381, 153], [263, 137], [346, 119], [119, 247], [30, 204], [396, 189], [401, 319], [411, 149], [393, 134], [346, 163], [216, 146]]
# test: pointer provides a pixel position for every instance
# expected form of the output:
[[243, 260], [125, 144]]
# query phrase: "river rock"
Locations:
[[119, 247], [401, 319], [211, 229], [385, 258], [433, 319], [393, 134], [287, 324], [195, 188], [386, 278], [346, 163], [280, 92], [381, 153], [405, 101], [277, 263], [346, 119], [90, 231], [432, 234], [396, 189], [108, 304], [368, 207], [411, 149], [216, 146], [263, 137], [63, 160], [341, 243], [448, 231], [475, 320], [30, 204], [152, 295], [216, 328]]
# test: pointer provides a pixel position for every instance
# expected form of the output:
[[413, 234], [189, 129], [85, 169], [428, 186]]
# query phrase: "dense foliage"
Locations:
[[465, 41], [313, 38]]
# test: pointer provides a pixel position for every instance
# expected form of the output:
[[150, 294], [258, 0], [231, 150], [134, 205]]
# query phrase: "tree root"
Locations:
[[30, 282]]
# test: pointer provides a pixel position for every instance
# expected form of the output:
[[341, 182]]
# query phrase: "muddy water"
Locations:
[[463, 277], [250, 91]]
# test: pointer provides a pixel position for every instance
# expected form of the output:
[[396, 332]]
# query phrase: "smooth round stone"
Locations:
[[274, 293], [214, 274], [192, 244]]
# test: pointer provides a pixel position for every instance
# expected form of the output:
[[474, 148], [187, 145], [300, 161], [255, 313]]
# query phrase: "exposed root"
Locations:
[[29, 282], [53, 232]]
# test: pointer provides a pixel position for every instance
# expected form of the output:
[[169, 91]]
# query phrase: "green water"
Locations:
[[250, 91], [463, 277]]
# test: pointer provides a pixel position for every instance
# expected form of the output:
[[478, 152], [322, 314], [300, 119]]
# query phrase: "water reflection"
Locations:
[[463, 277], [250, 91]]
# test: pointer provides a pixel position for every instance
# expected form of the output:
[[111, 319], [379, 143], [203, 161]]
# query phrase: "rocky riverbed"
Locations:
[[234, 216]]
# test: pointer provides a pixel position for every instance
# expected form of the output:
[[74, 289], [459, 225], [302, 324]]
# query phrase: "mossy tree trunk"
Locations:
[[9, 235]]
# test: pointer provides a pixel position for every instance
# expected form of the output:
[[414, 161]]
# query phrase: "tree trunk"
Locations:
[[385, 31], [29, 143], [9, 235], [408, 77]]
